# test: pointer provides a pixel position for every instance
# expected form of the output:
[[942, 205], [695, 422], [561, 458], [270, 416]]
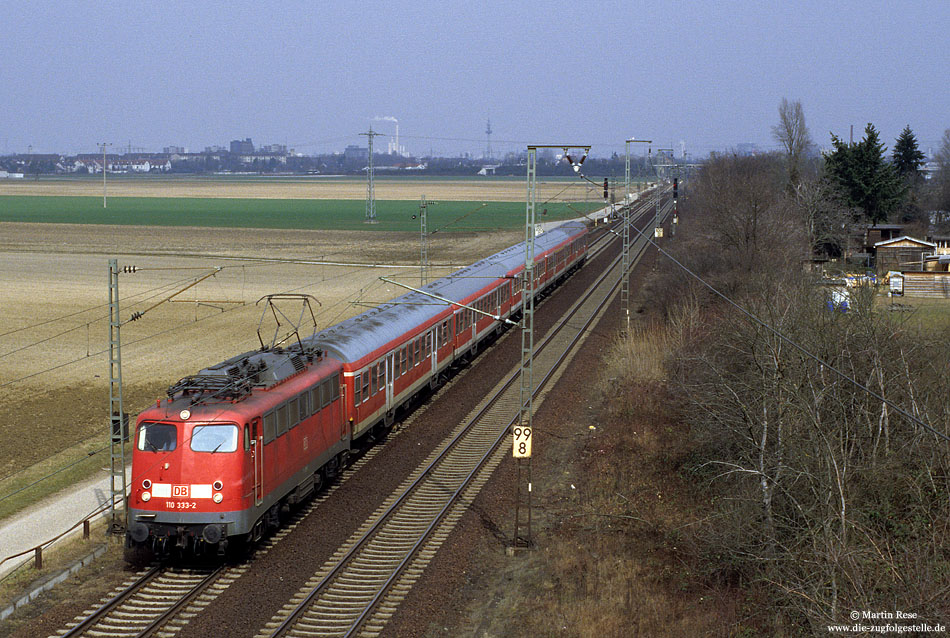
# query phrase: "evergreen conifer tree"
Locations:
[[907, 155], [868, 182]]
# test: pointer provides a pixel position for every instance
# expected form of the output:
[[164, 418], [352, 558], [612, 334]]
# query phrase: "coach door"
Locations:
[[434, 348], [257, 458], [390, 379]]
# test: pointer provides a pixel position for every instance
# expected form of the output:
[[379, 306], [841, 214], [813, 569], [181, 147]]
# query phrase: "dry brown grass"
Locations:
[[609, 563], [638, 357], [489, 189], [54, 317]]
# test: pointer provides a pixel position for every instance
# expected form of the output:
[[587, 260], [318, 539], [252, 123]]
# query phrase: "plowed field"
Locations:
[[54, 285]]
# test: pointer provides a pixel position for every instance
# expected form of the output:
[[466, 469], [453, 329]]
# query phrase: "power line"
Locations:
[[910, 417]]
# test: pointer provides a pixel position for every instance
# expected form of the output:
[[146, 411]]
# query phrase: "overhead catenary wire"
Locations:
[[40, 324], [158, 290], [754, 319], [134, 342]]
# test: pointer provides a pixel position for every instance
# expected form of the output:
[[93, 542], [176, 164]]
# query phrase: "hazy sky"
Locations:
[[313, 75]]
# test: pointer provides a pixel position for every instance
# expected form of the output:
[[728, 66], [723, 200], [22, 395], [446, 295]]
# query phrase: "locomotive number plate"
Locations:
[[181, 505]]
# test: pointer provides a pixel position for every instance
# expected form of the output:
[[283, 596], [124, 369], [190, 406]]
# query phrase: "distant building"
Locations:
[[245, 147], [174, 150], [746, 149], [273, 149], [874, 233], [355, 156]]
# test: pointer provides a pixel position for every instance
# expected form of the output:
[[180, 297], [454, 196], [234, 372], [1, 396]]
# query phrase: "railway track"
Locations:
[[359, 589], [159, 601]]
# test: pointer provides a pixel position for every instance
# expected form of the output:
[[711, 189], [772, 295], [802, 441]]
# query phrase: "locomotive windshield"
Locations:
[[214, 438], [157, 437]]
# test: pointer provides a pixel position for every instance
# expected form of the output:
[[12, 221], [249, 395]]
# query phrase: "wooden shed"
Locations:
[[903, 254], [927, 284]]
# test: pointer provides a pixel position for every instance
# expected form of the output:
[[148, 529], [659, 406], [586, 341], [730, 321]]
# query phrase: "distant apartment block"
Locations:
[[242, 147]]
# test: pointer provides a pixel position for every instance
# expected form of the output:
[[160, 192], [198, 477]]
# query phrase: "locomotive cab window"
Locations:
[[214, 438], [157, 437]]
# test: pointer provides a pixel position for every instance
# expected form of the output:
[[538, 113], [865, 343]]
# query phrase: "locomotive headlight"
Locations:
[[146, 497], [217, 498], [217, 485], [147, 484]]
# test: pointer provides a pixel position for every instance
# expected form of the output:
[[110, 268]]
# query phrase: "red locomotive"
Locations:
[[216, 461]]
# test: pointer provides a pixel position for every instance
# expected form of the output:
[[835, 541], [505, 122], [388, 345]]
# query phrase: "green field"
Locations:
[[304, 214]]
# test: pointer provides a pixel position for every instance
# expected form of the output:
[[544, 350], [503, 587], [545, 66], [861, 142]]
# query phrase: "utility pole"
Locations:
[[104, 145], [370, 187], [659, 178], [423, 242], [625, 264], [524, 427], [118, 432]]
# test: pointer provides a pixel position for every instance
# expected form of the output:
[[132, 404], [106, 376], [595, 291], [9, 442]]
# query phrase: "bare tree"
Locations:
[[939, 188], [792, 133], [826, 217]]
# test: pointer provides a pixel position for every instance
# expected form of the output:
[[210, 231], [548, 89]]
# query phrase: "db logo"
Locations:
[[180, 491]]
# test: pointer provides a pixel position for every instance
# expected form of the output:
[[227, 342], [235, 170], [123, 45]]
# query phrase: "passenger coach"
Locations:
[[229, 448]]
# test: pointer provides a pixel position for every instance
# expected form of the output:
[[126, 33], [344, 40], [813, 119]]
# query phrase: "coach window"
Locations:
[[366, 385], [428, 344], [381, 375], [412, 358], [270, 427], [214, 438], [157, 437], [282, 420], [418, 347], [357, 391]]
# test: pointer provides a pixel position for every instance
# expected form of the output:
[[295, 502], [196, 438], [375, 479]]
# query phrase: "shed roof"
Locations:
[[905, 238]]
